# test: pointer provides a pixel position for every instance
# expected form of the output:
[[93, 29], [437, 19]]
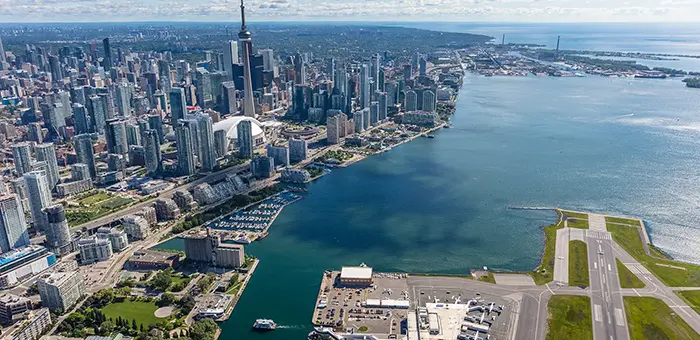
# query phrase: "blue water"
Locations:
[[619, 146]]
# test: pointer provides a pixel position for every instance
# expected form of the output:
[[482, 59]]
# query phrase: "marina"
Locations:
[[250, 224]]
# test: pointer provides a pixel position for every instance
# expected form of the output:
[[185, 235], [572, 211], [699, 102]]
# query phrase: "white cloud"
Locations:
[[356, 10]]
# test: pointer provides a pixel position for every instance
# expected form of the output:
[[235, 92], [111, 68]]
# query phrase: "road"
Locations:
[[608, 310], [211, 178]]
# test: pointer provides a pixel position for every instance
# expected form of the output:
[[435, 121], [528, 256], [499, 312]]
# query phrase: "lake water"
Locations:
[[619, 146]]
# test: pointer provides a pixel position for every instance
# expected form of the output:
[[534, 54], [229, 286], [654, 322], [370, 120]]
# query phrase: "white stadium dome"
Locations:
[[230, 125]]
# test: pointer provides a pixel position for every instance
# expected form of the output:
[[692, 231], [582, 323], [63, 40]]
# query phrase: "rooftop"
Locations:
[[356, 273]]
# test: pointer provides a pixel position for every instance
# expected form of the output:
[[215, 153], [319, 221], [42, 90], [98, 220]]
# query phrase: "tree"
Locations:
[[133, 324], [162, 281], [107, 327], [203, 329], [186, 304], [166, 299]]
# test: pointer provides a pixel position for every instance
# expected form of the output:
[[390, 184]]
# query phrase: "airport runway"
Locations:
[[609, 322]]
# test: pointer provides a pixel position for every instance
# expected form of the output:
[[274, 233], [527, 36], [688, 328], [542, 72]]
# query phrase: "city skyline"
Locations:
[[349, 11]]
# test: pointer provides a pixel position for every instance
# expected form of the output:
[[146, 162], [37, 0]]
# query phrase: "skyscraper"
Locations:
[[123, 92], [13, 227], [383, 107], [177, 106], [364, 86], [23, 158], [298, 150], [245, 39], [97, 112], [206, 141], [220, 143], [245, 139], [279, 153], [2, 52], [332, 129], [84, 152], [423, 67], [185, 156], [57, 232], [411, 103], [133, 134], [39, 197], [155, 122], [107, 61], [268, 59], [230, 57], [374, 113], [115, 134], [429, 101], [151, 146], [47, 153], [204, 96], [82, 120]]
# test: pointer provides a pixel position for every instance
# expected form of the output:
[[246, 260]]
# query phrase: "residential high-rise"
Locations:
[[383, 107], [84, 152], [206, 141], [115, 134], [13, 226], [330, 70], [411, 103], [79, 171], [151, 146], [155, 122], [177, 105], [61, 290], [245, 139], [298, 150], [374, 113], [333, 129], [2, 52], [423, 67], [262, 166], [82, 120], [279, 153], [185, 154], [47, 153], [94, 249], [268, 59], [22, 154], [58, 238], [107, 60], [97, 113], [34, 132], [133, 134], [429, 101], [123, 94], [204, 95], [230, 57], [364, 86], [39, 197], [245, 38], [220, 143]]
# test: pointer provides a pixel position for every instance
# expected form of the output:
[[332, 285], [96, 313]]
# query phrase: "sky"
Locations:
[[352, 10]]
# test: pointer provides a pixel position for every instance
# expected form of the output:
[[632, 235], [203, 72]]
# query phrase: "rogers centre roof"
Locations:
[[230, 125], [356, 273]]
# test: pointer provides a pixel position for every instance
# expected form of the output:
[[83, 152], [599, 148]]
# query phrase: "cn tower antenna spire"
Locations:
[[243, 28]]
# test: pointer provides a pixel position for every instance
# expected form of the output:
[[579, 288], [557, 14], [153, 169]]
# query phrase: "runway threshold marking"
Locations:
[[619, 318]]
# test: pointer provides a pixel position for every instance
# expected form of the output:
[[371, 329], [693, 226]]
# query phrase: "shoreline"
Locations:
[[238, 294]]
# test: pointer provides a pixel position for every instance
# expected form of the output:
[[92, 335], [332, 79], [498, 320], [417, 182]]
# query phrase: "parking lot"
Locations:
[[374, 309]]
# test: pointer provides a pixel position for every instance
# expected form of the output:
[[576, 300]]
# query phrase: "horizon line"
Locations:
[[339, 22]]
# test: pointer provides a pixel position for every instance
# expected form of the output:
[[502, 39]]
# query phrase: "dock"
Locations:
[[236, 297]]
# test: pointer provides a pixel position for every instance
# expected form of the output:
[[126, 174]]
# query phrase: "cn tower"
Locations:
[[246, 42]]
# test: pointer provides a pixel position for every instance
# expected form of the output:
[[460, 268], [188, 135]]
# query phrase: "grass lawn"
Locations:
[[576, 215], [622, 220], [691, 297], [545, 272], [95, 198], [629, 239], [578, 264], [569, 318], [178, 279], [627, 278], [108, 204], [116, 202], [488, 278], [577, 223], [235, 288], [664, 324], [140, 311]]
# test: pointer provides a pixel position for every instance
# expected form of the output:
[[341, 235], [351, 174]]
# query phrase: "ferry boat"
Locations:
[[264, 325], [430, 136]]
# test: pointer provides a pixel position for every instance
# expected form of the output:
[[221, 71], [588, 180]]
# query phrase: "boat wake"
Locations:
[[291, 327]]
